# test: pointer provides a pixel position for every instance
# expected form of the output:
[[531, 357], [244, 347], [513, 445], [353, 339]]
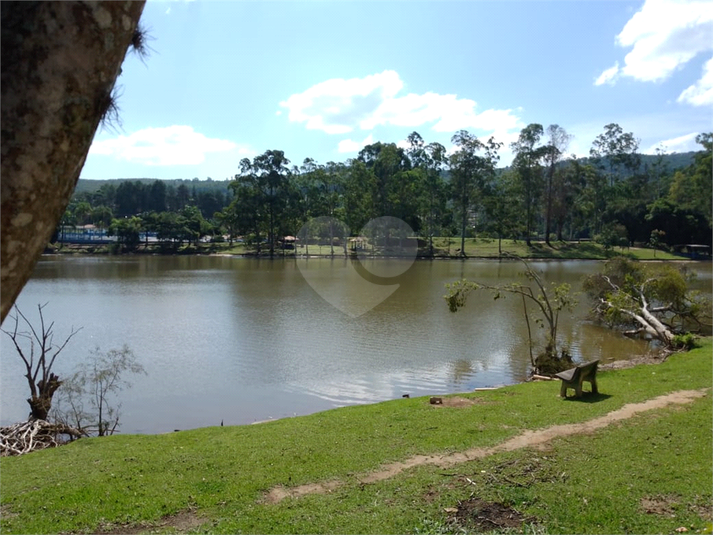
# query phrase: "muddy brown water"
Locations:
[[242, 340]]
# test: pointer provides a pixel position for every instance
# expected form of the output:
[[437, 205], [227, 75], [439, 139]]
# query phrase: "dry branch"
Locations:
[[33, 435]]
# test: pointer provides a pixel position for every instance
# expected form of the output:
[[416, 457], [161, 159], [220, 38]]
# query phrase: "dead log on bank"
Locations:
[[33, 435]]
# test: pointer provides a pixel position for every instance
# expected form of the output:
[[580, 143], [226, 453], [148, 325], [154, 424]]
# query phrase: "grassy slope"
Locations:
[[222, 473]]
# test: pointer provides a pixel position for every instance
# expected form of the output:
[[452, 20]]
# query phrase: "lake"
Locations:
[[244, 340]]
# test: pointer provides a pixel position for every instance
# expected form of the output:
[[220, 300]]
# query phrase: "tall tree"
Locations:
[[429, 160], [248, 204], [157, 196], [359, 195], [616, 150], [273, 174], [501, 212], [470, 172], [262, 192], [557, 142], [692, 188], [386, 161], [529, 172]]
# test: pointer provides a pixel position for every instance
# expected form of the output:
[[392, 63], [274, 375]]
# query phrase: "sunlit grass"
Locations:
[[222, 473], [474, 248]]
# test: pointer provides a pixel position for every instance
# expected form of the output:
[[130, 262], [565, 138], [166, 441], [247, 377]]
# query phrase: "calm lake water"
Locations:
[[245, 340]]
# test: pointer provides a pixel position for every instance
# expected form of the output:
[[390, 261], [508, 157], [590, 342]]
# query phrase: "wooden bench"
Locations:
[[574, 378]]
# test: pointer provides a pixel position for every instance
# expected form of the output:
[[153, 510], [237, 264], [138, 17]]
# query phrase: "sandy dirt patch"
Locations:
[[526, 439]]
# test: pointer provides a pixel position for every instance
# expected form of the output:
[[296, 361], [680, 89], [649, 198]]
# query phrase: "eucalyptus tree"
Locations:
[[273, 171], [429, 160], [248, 206], [616, 148], [470, 173], [227, 218], [567, 189], [359, 195], [321, 193], [501, 212], [262, 192], [386, 161], [558, 141], [590, 198], [527, 164], [691, 188], [331, 182]]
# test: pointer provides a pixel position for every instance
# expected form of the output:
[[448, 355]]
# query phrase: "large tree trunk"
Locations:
[[60, 61], [41, 403]]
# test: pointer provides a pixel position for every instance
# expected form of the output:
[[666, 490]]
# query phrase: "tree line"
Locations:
[[615, 196]]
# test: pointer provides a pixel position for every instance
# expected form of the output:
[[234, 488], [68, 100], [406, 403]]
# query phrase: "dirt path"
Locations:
[[523, 440]]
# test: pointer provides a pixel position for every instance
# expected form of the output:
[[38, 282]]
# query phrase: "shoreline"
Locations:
[[94, 254]]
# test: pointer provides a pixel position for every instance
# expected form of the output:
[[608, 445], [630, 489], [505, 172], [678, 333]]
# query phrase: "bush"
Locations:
[[685, 341], [86, 400]]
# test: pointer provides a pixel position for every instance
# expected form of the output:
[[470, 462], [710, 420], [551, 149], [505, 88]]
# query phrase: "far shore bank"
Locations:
[[481, 249]]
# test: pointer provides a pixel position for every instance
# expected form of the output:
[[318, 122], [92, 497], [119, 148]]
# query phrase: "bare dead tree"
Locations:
[[38, 360]]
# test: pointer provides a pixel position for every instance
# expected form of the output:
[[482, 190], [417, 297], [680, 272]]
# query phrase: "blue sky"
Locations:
[[231, 79]]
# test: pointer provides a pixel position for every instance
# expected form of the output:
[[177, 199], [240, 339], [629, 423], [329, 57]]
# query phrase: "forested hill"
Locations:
[[666, 162], [617, 197], [209, 185], [669, 162]]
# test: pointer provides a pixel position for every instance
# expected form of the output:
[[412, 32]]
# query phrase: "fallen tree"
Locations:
[[652, 301]]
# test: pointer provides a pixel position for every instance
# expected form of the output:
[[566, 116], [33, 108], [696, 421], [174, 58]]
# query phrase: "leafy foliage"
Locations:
[[86, 400], [617, 196], [646, 299], [549, 304]]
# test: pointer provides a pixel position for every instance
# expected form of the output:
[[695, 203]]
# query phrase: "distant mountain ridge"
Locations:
[[671, 162], [90, 186]]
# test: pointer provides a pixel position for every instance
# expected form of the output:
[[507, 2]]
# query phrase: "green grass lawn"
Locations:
[[488, 248], [474, 248], [219, 476]]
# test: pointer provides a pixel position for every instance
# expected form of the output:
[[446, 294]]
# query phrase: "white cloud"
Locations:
[[700, 93], [348, 145], [609, 76], [685, 143], [663, 35], [171, 145], [339, 106]]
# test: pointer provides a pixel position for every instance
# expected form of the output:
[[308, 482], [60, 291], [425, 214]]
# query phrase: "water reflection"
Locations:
[[243, 340]]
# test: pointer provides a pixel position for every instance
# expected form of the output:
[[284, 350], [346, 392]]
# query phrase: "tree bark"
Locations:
[[41, 403], [60, 61]]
